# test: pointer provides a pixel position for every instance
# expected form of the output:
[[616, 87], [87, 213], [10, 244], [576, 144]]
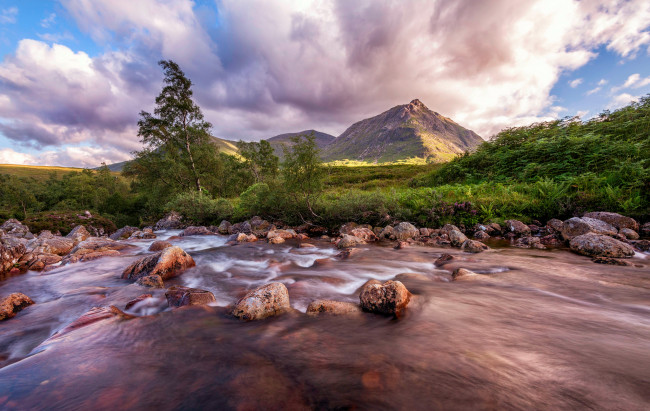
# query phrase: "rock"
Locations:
[[51, 245], [243, 227], [447, 228], [404, 277], [496, 229], [405, 231], [194, 230], [348, 241], [481, 235], [78, 234], [645, 230], [284, 234], [136, 300], [593, 244], [464, 274], [347, 253], [153, 281], [518, 228], [551, 240], [144, 234], [457, 238], [246, 238], [171, 221], [554, 225], [333, 308], [224, 227], [306, 245], [15, 302], [473, 246], [444, 259], [609, 260], [92, 316], [575, 226], [387, 232], [348, 227], [159, 245], [389, 298], [425, 232], [401, 244], [642, 245], [265, 301], [260, 227], [276, 240], [11, 250], [15, 228], [94, 248], [368, 283], [629, 233], [615, 220], [38, 261], [178, 296], [166, 263], [123, 233], [529, 242], [364, 233]]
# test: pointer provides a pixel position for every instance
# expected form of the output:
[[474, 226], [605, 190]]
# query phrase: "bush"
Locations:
[[200, 208]]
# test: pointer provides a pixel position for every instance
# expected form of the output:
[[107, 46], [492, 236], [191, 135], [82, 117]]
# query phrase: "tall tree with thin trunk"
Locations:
[[177, 125]]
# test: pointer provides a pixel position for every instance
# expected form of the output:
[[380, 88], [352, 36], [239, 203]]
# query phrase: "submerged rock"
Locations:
[[614, 219], [262, 302], [473, 246], [464, 274], [166, 263], [153, 281], [15, 302], [137, 300], [159, 245], [592, 244], [576, 226], [178, 296], [332, 307], [389, 298], [444, 259], [609, 260]]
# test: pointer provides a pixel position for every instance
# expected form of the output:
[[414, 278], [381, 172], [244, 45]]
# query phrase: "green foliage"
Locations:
[[259, 160], [65, 221], [303, 173], [200, 208]]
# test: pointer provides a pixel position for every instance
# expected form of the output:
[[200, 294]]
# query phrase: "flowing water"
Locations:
[[541, 329]]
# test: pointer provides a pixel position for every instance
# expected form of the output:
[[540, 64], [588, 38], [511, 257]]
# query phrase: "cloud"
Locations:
[[82, 156], [263, 68], [602, 82], [593, 91], [575, 83], [633, 81], [582, 113], [621, 100], [48, 21], [8, 15]]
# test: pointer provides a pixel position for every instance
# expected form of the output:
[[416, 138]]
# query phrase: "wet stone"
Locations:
[[178, 296]]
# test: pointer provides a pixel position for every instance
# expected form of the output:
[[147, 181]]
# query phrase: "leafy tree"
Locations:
[[303, 172], [260, 160], [176, 130]]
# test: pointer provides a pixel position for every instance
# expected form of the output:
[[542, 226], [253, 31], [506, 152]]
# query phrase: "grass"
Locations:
[[37, 172]]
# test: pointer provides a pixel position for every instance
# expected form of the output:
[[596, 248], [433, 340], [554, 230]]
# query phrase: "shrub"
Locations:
[[201, 208]]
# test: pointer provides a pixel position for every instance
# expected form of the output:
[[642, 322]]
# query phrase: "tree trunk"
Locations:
[[189, 153]]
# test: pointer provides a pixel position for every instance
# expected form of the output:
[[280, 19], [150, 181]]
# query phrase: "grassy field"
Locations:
[[369, 177], [38, 172]]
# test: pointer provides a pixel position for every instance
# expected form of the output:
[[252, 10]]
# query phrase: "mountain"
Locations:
[[406, 131], [277, 142]]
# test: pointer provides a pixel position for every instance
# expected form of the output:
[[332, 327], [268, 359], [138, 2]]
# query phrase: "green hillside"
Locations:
[[37, 172]]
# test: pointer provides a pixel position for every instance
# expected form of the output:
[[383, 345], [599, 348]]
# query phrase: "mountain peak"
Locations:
[[416, 102]]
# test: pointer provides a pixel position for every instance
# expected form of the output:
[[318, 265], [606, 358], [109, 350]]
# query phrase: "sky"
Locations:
[[74, 74]]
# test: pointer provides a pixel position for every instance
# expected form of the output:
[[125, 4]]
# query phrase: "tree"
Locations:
[[303, 172], [177, 126], [260, 160]]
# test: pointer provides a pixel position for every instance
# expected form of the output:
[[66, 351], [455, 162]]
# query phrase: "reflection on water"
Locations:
[[539, 330]]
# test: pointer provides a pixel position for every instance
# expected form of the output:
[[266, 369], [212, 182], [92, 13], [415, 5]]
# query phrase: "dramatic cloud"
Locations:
[[262, 68]]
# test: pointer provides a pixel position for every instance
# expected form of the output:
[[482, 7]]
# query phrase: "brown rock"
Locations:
[[170, 221], [481, 235], [609, 260], [645, 230], [642, 245], [529, 242], [364, 234], [178, 296], [194, 230], [332, 307], [444, 259], [401, 244], [136, 300], [457, 238], [52, 245], [15, 228], [473, 246], [166, 263], [464, 274], [390, 298], [123, 233], [575, 226], [15, 302], [600, 245], [224, 227], [387, 232], [246, 238], [159, 245], [405, 231], [38, 261], [615, 219], [284, 234], [11, 251], [348, 241], [78, 234], [276, 240], [265, 301], [153, 281], [554, 225], [517, 227], [629, 233]]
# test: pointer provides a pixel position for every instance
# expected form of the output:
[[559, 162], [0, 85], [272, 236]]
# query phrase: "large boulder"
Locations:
[[15, 228], [51, 245], [260, 227], [593, 244], [464, 274], [554, 225], [38, 261], [195, 230], [178, 296], [11, 250], [265, 301], [243, 227], [123, 233], [159, 245], [364, 233], [387, 232], [348, 241], [333, 308], [94, 248], [144, 234], [576, 226], [15, 302], [78, 234], [457, 238], [629, 233], [224, 227], [473, 246], [171, 221], [405, 231], [518, 228], [152, 281], [284, 234], [529, 242], [617, 220], [645, 230], [447, 228], [166, 263], [389, 298]]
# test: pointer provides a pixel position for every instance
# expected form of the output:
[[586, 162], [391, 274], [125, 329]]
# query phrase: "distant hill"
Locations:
[[279, 141], [37, 172], [403, 132]]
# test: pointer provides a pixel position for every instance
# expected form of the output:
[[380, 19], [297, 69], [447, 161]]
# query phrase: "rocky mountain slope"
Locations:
[[277, 142], [403, 132]]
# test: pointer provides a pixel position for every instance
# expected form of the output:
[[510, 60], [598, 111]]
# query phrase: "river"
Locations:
[[541, 329]]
